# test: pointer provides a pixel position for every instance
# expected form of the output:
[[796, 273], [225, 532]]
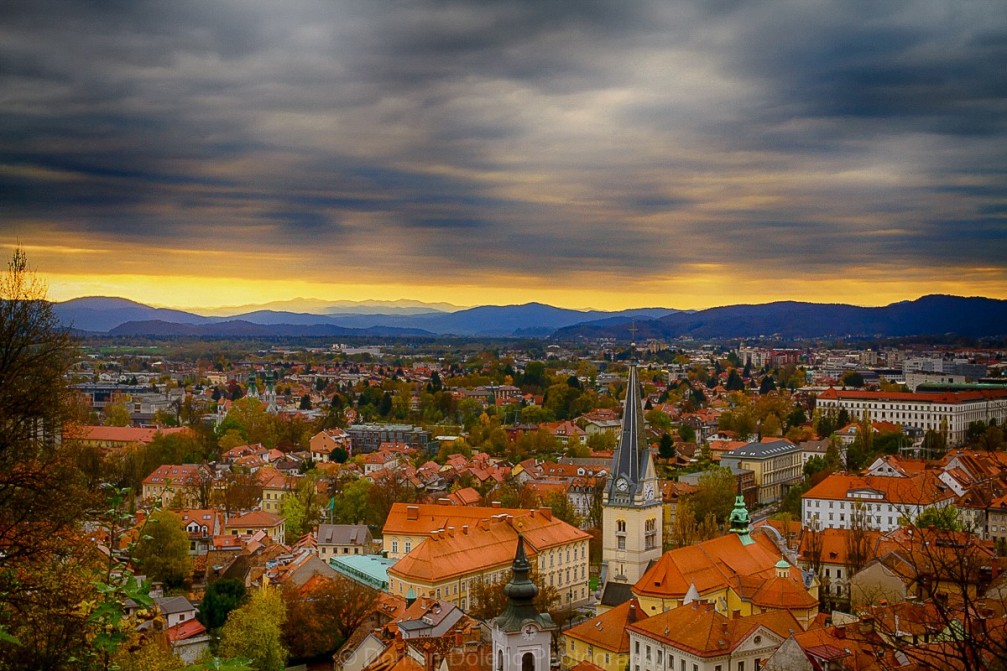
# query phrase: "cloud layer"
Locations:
[[583, 144]]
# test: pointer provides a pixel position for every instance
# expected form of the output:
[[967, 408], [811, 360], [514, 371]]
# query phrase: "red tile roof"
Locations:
[[608, 630]]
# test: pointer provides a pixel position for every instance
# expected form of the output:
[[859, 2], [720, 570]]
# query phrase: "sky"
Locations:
[[582, 153]]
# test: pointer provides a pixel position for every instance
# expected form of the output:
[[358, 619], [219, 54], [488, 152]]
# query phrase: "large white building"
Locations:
[[882, 498], [952, 411]]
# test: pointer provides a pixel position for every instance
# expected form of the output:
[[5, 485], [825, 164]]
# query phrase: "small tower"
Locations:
[[252, 391], [270, 398], [740, 521], [522, 637]]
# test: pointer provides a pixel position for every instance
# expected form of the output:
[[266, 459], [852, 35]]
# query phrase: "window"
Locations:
[[622, 542], [620, 526], [409, 547]]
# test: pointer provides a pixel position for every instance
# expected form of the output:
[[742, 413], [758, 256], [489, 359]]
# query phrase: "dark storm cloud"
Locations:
[[514, 136]]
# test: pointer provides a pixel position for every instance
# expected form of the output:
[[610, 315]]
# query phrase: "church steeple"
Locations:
[[632, 515], [630, 462], [522, 637], [521, 592]]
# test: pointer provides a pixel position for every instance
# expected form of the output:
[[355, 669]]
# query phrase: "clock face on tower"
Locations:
[[648, 491], [622, 485]]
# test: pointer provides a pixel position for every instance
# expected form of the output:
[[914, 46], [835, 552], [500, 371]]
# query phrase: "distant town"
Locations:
[[537, 504]]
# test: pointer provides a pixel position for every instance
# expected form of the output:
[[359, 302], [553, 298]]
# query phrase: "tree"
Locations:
[[240, 491], [488, 599], [42, 498], [324, 614], [852, 378], [716, 492], [222, 596], [339, 455], [955, 604], [563, 508], [254, 631], [116, 414], [767, 385], [858, 540], [944, 518], [352, 506], [666, 447], [734, 381], [163, 552]]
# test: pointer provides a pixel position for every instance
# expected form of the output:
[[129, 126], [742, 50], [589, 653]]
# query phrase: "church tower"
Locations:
[[632, 514], [251, 391], [522, 637], [270, 398]]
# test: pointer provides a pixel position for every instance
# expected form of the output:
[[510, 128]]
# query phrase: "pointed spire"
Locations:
[[521, 592], [629, 461]]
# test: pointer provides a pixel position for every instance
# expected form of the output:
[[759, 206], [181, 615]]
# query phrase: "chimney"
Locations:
[[546, 513], [841, 631], [465, 529], [412, 512], [735, 614], [451, 532], [495, 504], [444, 501], [866, 624]]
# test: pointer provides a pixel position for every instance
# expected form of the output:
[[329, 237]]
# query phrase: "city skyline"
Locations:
[[585, 155]]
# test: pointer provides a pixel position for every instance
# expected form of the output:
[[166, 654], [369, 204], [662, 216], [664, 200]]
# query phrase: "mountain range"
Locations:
[[929, 315]]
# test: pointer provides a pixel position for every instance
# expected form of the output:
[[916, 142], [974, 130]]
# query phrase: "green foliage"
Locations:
[[163, 550], [945, 518], [767, 385], [351, 506], [658, 419], [116, 414], [339, 455], [791, 502], [534, 378], [222, 596], [715, 494], [293, 512], [254, 631], [601, 441], [734, 381], [666, 447], [563, 508], [852, 378]]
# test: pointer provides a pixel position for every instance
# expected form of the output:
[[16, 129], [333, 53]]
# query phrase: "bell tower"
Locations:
[[632, 514], [522, 637]]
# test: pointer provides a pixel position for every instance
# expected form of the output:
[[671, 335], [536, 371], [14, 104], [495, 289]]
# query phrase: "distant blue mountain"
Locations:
[[106, 315], [929, 315]]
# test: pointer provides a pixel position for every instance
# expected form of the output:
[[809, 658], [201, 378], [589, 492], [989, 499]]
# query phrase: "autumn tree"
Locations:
[[116, 413], [323, 614], [858, 540], [239, 491], [163, 551], [715, 494], [41, 494], [255, 631], [563, 508]]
